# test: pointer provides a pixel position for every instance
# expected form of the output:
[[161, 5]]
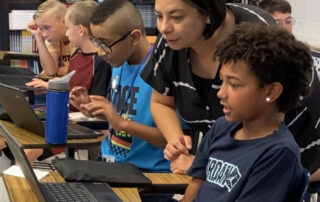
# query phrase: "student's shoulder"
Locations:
[[285, 141]]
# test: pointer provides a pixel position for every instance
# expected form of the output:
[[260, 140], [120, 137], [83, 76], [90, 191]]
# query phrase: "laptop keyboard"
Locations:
[[68, 192], [15, 80]]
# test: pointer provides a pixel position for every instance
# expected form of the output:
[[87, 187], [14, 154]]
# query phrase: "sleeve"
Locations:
[[198, 167], [101, 77], [305, 127], [158, 70], [276, 177]]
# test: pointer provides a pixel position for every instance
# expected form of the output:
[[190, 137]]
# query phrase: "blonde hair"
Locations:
[[57, 8], [80, 12]]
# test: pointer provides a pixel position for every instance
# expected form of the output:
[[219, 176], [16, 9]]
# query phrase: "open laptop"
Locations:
[[17, 107], [70, 191], [16, 77]]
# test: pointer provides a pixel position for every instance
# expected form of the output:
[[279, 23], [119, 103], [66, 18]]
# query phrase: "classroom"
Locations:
[[160, 100]]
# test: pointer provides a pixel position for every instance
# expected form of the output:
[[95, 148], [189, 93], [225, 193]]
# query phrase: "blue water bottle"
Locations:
[[57, 110]]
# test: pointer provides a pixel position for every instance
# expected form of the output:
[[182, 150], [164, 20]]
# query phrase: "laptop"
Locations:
[[6, 70], [17, 77], [69, 191], [17, 107]]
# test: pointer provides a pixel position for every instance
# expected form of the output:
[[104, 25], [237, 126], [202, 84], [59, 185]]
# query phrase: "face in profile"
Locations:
[[179, 23], [115, 49], [241, 95], [284, 20], [51, 27], [72, 32]]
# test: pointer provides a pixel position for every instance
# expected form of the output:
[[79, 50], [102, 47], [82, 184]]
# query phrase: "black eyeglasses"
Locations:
[[104, 45]]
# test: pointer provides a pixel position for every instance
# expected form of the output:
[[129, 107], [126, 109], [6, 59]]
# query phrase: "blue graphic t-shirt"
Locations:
[[121, 146], [262, 169]]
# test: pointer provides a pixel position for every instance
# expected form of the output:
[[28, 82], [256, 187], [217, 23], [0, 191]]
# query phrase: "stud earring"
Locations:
[[208, 21], [268, 99]]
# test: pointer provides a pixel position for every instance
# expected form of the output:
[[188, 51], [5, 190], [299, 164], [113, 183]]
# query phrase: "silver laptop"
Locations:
[[70, 191], [14, 102]]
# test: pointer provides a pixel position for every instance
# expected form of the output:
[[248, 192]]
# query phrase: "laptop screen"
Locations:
[[16, 105], [24, 164]]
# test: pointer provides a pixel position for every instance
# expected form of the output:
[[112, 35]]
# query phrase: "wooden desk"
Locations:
[[30, 140], [168, 178], [19, 190]]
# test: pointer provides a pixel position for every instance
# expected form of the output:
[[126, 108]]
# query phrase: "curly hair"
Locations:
[[273, 55]]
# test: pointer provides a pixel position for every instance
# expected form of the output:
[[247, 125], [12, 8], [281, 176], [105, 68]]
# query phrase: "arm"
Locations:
[[33, 154], [192, 189], [62, 70], [48, 59], [99, 106], [167, 120]]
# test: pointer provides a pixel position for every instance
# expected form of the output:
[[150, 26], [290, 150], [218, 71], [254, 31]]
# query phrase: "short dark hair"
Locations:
[[215, 9], [273, 55], [273, 6], [126, 16]]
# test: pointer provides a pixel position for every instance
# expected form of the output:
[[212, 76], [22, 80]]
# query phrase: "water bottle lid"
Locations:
[[61, 83]]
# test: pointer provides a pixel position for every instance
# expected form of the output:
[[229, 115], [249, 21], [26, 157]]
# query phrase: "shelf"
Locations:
[[24, 6]]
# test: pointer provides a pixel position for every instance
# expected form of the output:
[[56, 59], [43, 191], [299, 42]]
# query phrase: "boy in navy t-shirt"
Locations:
[[250, 155]]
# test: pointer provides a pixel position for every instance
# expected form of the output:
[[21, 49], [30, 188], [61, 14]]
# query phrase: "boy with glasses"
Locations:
[[118, 32], [280, 11]]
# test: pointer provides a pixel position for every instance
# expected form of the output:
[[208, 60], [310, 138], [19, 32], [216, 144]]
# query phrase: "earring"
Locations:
[[208, 21], [268, 99]]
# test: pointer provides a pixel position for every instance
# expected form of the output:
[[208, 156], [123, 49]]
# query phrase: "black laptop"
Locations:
[[17, 77], [14, 102], [70, 191]]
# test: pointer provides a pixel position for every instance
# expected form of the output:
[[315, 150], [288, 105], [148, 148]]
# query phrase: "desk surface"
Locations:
[[19, 190], [30, 140], [168, 178]]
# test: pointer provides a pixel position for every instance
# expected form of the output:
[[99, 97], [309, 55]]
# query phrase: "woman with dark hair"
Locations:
[[184, 72]]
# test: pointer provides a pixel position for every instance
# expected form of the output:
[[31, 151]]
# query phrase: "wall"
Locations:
[[307, 25]]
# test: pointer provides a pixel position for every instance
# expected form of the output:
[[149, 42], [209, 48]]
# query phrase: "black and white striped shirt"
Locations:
[[168, 72]]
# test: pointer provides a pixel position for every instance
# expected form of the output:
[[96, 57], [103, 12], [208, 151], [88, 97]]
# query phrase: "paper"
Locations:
[[16, 171], [78, 116]]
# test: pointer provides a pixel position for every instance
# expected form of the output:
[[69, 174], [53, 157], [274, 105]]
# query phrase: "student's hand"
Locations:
[[79, 95], [182, 163], [33, 28], [2, 144], [177, 146], [37, 83], [101, 107]]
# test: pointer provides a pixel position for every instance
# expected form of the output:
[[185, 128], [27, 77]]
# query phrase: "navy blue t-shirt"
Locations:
[[263, 169]]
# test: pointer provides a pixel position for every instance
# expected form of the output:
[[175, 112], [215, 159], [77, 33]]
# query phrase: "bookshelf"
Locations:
[[5, 7], [19, 58], [146, 8]]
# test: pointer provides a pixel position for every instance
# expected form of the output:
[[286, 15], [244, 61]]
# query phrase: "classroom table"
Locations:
[[30, 140], [19, 190]]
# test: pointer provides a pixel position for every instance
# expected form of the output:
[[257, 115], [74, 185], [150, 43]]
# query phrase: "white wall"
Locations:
[[307, 26]]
